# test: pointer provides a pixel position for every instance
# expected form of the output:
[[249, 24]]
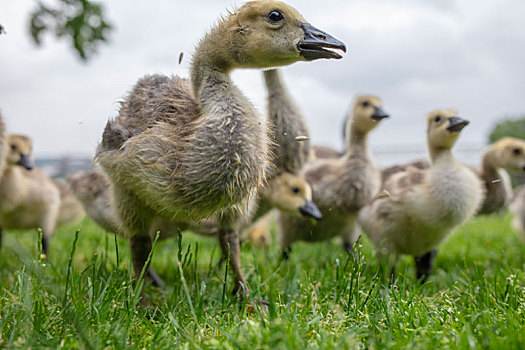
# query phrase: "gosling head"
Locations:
[[366, 114], [510, 154], [443, 128], [20, 151], [292, 194], [268, 33]]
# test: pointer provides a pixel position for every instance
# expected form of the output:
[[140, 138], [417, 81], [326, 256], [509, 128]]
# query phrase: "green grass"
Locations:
[[318, 299]]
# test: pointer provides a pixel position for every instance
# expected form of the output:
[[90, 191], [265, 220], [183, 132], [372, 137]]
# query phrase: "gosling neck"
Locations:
[[212, 61], [274, 83], [357, 142], [489, 165], [440, 154], [278, 99]]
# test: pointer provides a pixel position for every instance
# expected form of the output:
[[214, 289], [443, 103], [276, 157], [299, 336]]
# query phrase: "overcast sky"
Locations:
[[416, 55]]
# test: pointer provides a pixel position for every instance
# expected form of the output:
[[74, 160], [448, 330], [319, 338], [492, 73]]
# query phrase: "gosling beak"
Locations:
[[309, 209], [316, 41], [457, 124], [379, 114], [25, 161]]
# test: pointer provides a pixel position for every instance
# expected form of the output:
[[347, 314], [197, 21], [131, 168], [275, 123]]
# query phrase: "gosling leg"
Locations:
[[425, 265], [286, 241], [393, 271], [44, 245], [392, 275], [350, 236], [140, 250], [285, 253], [229, 241], [137, 222]]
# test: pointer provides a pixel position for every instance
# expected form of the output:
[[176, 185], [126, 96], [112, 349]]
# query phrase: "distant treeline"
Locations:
[[511, 126]]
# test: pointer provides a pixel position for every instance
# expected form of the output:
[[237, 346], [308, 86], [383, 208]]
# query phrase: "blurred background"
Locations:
[[417, 56]]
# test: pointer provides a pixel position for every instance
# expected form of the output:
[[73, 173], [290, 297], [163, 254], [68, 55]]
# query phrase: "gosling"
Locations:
[[498, 159], [92, 189], [291, 150], [28, 198], [417, 208], [182, 150], [341, 186], [505, 155]]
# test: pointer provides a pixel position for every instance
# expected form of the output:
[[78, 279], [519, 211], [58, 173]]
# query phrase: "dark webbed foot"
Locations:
[[425, 265], [285, 254]]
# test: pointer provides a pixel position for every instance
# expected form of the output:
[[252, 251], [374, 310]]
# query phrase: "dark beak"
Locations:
[[457, 124], [379, 114], [315, 42], [311, 210], [25, 161]]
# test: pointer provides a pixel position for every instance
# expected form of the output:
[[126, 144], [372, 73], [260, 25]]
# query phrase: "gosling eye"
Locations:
[[516, 151], [365, 104], [275, 16], [295, 189], [13, 147], [437, 119]]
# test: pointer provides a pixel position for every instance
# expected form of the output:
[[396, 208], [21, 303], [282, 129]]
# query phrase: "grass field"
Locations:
[[318, 299]]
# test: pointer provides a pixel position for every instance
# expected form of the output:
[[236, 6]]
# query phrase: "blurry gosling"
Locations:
[[71, 210], [28, 198], [341, 186], [290, 152], [417, 208], [289, 131], [289, 193], [92, 189], [505, 155]]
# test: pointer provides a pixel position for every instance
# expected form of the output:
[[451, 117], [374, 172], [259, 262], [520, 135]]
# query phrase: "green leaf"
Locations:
[[81, 22]]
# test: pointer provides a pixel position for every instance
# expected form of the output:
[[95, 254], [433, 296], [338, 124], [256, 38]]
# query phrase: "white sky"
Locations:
[[416, 55]]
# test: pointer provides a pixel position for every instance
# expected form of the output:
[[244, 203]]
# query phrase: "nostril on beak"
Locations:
[[321, 36]]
